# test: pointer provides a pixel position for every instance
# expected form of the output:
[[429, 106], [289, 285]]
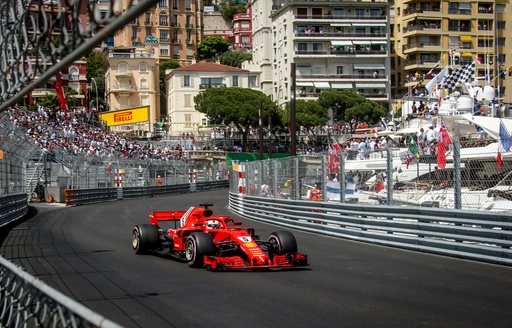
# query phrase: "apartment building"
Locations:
[[177, 24], [435, 33], [184, 83], [242, 30], [342, 45], [133, 81]]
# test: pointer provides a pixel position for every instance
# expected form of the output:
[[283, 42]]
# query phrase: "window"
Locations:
[[187, 100], [188, 4], [147, 18], [122, 67], [359, 12], [245, 39], [144, 100], [500, 25], [189, 37], [186, 80], [174, 20], [163, 21], [143, 83], [188, 120], [143, 67], [302, 12], [302, 48], [135, 31], [245, 25], [338, 12], [163, 4], [235, 81], [500, 8], [500, 41], [339, 70], [74, 74], [252, 81], [189, 21], [164, 35], [174, 4], [208, 82], [164, 51]]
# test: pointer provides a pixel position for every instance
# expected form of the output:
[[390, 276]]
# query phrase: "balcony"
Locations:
[[350, 77], [41, 92], [434, 46], [429, 11], [421, 63], [123, 88], [340, 51], [330, 34], [452, 11], [208, 86], [383, 17], [428, 27]]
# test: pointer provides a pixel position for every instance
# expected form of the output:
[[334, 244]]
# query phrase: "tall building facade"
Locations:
[[133, 81], [177, 24], [342, 45], [242, 30], [430, 35]]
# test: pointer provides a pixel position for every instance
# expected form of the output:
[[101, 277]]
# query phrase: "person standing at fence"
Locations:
[[158, 181]]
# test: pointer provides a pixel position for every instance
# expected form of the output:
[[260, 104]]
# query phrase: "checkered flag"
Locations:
[[461, 74]]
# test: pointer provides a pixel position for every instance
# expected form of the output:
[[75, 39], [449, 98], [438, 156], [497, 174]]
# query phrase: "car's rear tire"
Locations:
[[145, 238], [281, 242], [197, 246]]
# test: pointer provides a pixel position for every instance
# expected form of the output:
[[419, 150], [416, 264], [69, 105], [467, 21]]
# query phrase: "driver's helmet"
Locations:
[[212, 224]]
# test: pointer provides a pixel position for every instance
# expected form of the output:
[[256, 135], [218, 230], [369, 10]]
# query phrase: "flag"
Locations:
[[333, 164], [413, 147], [441, 156], [444, 136], [438, 79], [461, 74], [499, 159], [379, 186], [60, 92], [505, 139]]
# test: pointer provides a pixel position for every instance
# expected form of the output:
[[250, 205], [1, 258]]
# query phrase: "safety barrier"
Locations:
[[12, 207], [88, 196], [26, 301], [480, 236]]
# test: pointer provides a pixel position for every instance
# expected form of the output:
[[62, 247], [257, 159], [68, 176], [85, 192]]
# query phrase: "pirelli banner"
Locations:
[[126, 116]]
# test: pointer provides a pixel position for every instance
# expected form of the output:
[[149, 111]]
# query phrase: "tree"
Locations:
[[49, 101], [229, 8], [234, 58], [239, 106], [96, 66], [309, 114], [212, 47], [165, 65], [368, 111], [339, 101]]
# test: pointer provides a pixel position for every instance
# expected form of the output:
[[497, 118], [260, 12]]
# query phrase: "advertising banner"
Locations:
[[126, 116]]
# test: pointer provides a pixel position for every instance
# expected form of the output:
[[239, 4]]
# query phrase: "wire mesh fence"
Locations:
[[40, 37], [470, 178]]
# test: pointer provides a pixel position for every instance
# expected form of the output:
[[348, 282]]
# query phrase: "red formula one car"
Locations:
[[215, 242]]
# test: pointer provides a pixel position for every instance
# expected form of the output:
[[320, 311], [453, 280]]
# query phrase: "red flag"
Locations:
[[60, 92], [379, 186], [441, 156], [499, 159], [334, 158]]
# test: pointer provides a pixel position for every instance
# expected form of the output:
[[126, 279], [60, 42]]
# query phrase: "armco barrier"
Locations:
[[481, 236], [12, 207], [28, 302], [88, 196]]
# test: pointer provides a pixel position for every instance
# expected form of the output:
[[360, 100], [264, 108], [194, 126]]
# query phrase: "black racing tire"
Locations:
[[198, 245], [281, 242], [145, 238]]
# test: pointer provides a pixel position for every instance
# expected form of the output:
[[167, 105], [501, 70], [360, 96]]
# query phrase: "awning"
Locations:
[[465, 38], [342, 24], [362, 43], [379, 42], [467, 54], [305, 84], [369, 66], [369, 24], [464, 6], [341, 43], [339, 85], [371, 86], [322, 85]]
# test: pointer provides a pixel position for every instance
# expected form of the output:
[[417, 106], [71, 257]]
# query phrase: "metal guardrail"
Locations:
[[26, 301], [12, 207], [480, 236], [88, 196]]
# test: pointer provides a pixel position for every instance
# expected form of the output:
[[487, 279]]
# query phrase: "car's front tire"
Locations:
[[198, 245], [145, 238], [281, 242]]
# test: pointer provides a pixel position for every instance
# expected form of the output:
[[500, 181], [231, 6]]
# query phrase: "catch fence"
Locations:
[[472, 178]]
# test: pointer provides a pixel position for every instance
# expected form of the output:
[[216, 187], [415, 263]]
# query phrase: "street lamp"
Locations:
[[96, 87]]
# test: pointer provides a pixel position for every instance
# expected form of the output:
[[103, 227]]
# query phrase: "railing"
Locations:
[[471, 235], [421, 45], [88, 196], [340, 51], [341, 34], [28, 302], [12, 208], [421, 27], [334, 17], [410, 11], [342, 76]]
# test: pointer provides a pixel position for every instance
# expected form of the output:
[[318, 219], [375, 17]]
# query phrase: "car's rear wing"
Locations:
[[154, 217]]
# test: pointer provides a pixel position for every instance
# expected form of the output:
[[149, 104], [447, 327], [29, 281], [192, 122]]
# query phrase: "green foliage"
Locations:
[[96, 66], [229, 8], [212, 47], [234, 58], [239, 106], [308, 114], [339, 101], [368, 111], [49, 101], [70, 97]]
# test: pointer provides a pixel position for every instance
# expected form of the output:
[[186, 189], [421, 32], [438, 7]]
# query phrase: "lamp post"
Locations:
[[96, 88]]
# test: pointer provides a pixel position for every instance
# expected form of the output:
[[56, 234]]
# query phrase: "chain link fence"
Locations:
[[472, 178]]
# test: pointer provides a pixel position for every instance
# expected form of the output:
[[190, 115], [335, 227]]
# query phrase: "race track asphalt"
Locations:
[[86, 253]]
